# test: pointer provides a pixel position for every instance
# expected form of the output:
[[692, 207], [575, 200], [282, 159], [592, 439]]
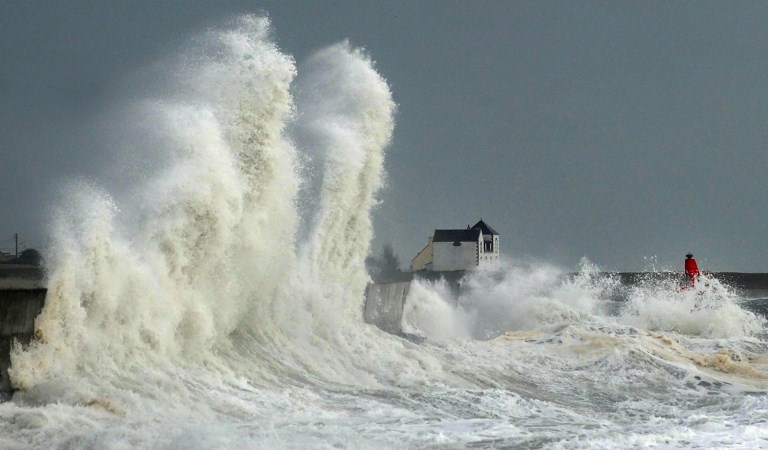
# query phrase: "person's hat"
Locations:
[[689, 255]]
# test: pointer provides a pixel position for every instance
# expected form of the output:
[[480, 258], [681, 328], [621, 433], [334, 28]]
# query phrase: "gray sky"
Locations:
[[619, 131]]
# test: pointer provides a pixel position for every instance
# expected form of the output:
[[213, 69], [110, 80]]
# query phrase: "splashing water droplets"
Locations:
[[203, 248]]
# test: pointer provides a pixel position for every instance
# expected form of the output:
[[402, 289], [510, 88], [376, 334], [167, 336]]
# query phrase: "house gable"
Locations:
[[482, 226]]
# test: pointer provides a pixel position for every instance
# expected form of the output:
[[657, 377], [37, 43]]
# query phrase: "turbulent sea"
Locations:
[[208, 294]]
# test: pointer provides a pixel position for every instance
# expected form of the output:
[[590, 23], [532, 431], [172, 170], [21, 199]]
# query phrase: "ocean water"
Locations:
[[208, 294]]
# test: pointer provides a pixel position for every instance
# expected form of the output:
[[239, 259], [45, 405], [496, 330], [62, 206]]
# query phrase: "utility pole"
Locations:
[[17, 245]]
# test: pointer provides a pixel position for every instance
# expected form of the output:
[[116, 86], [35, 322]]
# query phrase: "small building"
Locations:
[[459, 249]]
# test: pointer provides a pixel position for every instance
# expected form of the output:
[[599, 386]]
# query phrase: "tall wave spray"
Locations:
[[348, 111], [201, 251]]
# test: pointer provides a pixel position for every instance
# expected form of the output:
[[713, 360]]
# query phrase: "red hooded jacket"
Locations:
[[691, 268]]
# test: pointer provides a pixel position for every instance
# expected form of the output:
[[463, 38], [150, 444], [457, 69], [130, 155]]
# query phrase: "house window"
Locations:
[[488, 246]]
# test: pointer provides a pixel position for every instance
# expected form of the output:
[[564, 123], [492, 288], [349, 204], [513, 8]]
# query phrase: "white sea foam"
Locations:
[[519, 296], [511, 297], [708, 309]]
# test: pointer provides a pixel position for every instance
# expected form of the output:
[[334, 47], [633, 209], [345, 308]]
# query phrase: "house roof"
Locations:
[[485, 228], [456, 235]]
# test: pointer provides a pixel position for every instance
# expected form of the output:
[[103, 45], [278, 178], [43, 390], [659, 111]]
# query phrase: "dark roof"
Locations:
[[484, 227], [456, 235]]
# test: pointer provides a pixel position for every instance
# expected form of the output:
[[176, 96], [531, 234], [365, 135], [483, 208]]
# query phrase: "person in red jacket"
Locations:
[[691, 268]]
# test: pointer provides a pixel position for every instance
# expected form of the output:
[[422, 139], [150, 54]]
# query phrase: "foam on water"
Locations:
[[663, 352], [208, 293]]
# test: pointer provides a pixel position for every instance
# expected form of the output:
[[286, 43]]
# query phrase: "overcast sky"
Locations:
[[626, 132]]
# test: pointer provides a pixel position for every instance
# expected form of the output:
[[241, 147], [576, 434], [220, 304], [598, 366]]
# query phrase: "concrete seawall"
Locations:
[[20, 276], [385, 300], [384, 305], [18, 310], [22, 297]]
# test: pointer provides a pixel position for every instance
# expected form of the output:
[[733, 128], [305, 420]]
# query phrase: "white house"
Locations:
[[460, 249]]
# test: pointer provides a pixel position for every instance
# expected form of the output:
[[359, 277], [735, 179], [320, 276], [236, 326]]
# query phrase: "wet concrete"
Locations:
[[22, 297]]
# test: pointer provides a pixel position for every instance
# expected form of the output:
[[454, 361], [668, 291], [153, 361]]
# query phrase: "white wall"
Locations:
[[487, 257], [447, 257]]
